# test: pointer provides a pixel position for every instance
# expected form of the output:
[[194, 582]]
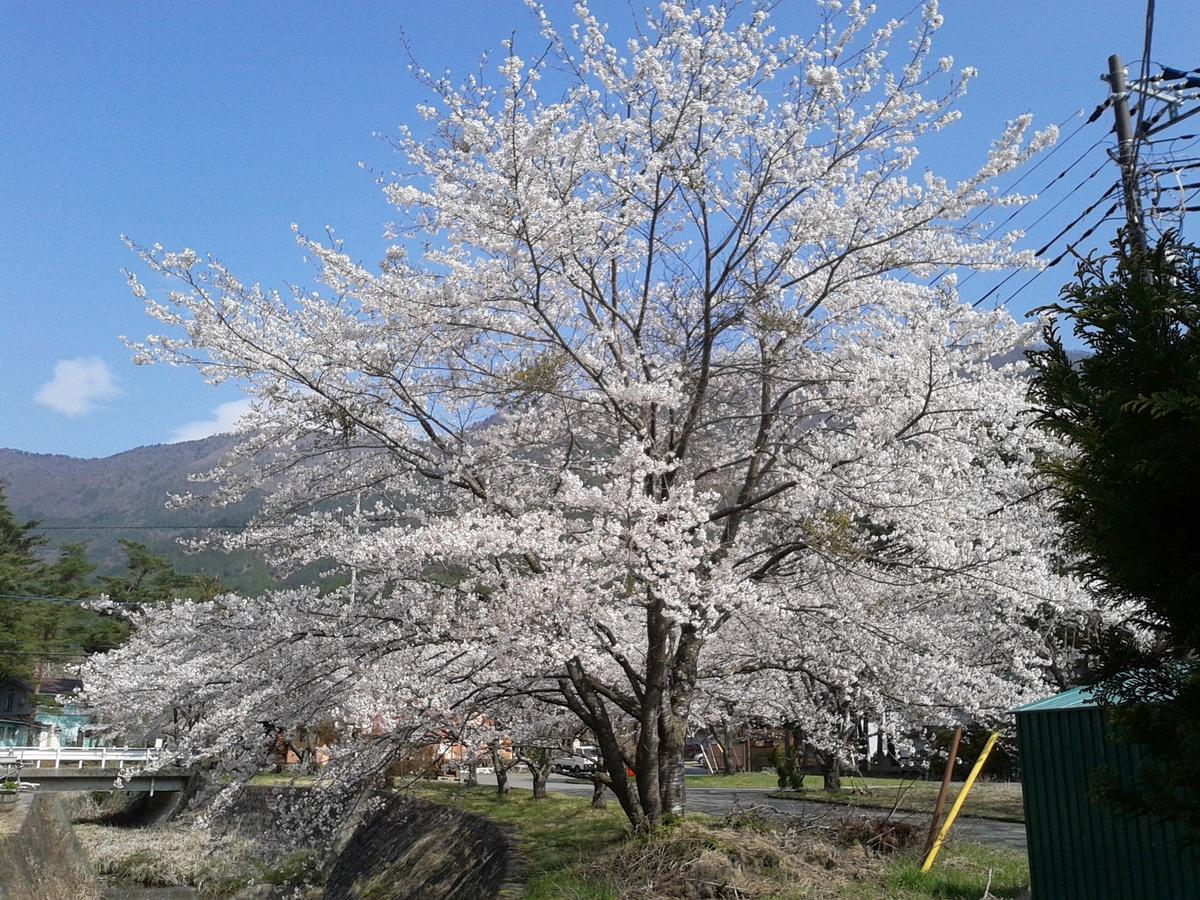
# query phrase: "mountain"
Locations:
[[100, 501]]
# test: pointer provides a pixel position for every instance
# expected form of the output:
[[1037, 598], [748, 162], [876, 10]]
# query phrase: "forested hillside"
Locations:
[[102, 501]]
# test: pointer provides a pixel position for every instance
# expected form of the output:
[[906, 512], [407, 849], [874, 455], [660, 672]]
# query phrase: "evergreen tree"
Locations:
[[19, 563], [1129, 493], [150, 578], [42, 629], [20, 572]]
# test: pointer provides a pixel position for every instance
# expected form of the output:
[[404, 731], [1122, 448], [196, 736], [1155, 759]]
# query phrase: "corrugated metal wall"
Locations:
[[1078, 849]]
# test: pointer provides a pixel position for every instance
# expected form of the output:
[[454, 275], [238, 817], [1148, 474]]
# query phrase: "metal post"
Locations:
[[947, 777], [958, 802], [1120, 98]]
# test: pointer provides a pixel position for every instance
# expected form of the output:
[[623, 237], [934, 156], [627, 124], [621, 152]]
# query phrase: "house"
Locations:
[[54, 724]]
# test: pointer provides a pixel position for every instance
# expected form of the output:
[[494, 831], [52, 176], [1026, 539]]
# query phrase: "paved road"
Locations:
[[720, 801]]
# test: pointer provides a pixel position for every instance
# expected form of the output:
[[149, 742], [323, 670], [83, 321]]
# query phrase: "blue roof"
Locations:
[[1076, 698]]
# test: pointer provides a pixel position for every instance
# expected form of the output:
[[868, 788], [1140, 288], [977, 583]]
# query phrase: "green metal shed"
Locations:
[[1078, 848]]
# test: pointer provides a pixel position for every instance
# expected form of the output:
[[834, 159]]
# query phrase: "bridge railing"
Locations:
[[77, 757]]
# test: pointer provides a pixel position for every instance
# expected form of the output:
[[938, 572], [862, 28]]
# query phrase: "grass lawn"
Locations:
[[742, 780], [991, 800], [558, 835], [282, 779], [576, 853], [963, 871]]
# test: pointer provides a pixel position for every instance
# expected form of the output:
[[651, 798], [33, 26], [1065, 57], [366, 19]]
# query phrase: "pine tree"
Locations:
[[20, 570], [42, 628], [19, 563], [150, 578]]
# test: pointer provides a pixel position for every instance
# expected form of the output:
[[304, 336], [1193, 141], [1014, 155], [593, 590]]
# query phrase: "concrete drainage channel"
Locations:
[[40, 857], [414, 849], [402, 848]]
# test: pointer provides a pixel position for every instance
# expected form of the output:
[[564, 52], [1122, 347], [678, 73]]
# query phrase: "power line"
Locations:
[[15, 596], [1144, 79], [1003, 281], [993, 229], [1050, 265], [1076, 221], [43, 597], [215, 526], [1039, 220], [1045, 158], [141, 527]]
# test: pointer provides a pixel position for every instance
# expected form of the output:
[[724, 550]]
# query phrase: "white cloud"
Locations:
[[78, 386], [224, 419]]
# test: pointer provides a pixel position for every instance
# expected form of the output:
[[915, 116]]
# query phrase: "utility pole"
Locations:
[[1125, 157]]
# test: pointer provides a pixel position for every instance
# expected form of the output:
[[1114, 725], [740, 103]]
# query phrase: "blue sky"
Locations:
[[217, 125]]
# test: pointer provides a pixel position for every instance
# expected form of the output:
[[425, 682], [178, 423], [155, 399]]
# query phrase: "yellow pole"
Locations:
[[958, 802]]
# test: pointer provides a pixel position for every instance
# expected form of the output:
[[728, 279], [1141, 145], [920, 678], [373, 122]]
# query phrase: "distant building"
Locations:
[[54, 724]]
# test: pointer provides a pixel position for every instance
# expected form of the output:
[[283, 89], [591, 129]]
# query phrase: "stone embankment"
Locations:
[[40, 857], [409, 848], [401, 848]]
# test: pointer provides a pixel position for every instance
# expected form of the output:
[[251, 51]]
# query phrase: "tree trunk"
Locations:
[[540, 773], [660, 702], [673, 721], [671, 781], [472, 774], [598, 801], [501, 771], [831, 774], [726, 748], [646, 767], [583, 700]]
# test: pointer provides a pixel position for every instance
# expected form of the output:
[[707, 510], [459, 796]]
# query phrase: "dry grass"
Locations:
[[168, 856], [695, 860]]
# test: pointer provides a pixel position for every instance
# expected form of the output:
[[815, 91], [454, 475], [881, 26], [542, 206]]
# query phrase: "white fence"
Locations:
[[77, 757]]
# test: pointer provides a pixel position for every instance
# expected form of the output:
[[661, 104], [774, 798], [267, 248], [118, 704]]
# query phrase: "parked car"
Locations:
[[574, 763]]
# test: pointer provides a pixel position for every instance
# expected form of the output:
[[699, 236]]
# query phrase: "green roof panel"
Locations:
[[1076, 698]]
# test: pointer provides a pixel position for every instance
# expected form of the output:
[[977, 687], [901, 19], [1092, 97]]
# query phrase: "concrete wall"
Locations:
[[40, 857], [412, 849]]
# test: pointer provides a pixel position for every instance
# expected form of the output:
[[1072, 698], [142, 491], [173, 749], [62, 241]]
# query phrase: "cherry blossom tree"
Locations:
[[649, 402]]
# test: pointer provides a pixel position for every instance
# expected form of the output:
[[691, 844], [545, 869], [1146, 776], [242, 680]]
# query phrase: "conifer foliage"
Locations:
[[1128, 491]]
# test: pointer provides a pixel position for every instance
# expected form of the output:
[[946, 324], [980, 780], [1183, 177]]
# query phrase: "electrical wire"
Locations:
[[1046, 213], [993, 229], [1045, 158], [136, 527], [216, 526], [42, 597], [1050, 265], [1041, 251]]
